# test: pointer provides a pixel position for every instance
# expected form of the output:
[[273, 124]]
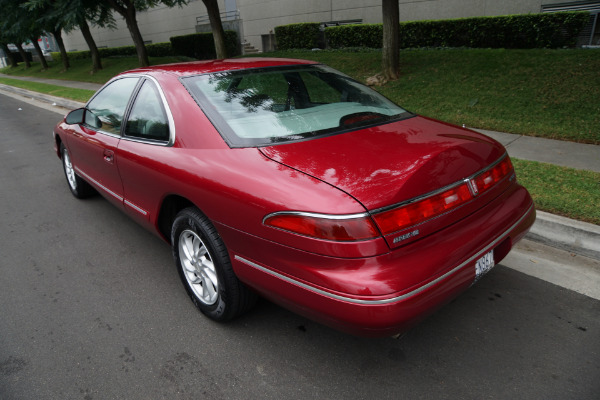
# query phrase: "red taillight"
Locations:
[[489, 178], [338, 228], [347, 228], [421, 210]]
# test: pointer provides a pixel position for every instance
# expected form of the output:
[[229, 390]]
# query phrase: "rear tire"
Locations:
[[80, 188], [205, 268]]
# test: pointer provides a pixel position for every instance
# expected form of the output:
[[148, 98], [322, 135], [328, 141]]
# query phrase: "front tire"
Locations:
[[79, 188], [205, 268]]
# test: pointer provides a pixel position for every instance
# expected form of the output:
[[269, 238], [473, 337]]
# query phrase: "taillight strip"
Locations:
[[438, 191], [341, 228], [392, 219], [416, 211]]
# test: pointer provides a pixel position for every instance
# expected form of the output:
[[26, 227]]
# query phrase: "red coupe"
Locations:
[[289, 179]]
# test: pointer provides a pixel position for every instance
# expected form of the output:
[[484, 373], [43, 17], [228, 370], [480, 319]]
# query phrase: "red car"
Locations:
[[289, 179]]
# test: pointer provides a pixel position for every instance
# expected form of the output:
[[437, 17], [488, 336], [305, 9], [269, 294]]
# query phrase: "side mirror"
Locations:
[[75, 117]]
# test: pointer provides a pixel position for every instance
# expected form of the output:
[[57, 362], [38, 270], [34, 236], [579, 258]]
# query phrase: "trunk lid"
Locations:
[[392, 163]]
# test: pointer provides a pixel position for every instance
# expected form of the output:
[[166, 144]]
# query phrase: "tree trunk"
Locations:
[[23, 55], [217, 27], [9, 55], [40, 53], [127, 10], [391, 46], [87, 35], [136, 35], [61, 47]]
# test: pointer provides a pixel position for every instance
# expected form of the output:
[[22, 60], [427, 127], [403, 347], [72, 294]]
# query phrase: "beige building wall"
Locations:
[[260, 17], [156, 25]]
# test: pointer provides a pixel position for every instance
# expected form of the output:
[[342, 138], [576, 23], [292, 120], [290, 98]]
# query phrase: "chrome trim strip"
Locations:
[[106, 133], [317, 215], [441, 190], [95, 182], [146, 141], [136, 208], [397, 298]]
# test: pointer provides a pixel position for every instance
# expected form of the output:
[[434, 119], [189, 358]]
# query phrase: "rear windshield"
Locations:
[[259, 107]]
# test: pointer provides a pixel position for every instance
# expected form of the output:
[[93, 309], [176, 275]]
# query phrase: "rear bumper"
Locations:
[[387, 294]]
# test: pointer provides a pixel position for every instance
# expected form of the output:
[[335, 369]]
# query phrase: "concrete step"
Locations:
[[249, 49]]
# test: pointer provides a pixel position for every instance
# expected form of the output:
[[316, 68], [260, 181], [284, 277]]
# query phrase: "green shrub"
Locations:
[[73, 55], [154, 50], [363, 35], [121, 51], [162, 49], [546, 30], [202, 46], [298, 36]]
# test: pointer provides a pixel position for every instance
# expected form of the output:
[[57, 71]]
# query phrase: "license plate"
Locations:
[[484, 264]]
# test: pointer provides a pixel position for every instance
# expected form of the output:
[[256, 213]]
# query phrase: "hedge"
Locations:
[[298, 36], [154, 50], [363, 35], [73, 55], [550, 30], [202, 45]]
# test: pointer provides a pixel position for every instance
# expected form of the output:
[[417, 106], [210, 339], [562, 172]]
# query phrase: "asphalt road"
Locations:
[[91, 307]]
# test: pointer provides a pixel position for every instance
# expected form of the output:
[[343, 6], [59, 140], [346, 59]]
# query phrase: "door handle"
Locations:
[[109, 156]]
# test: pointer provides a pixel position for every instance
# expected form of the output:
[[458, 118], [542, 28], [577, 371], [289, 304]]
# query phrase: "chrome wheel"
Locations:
[[205, 269], [198, 267], [69, 171], [80, 188]]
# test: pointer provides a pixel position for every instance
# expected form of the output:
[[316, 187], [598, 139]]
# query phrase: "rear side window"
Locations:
[[106, 110], [148, 119]]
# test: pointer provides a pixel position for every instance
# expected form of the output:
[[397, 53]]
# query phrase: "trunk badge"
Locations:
[[472, 187]]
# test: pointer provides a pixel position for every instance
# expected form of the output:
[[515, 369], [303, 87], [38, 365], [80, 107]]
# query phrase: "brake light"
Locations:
[[422, 210], [489, 178], [347, 228], [329, 227], [434, 205]]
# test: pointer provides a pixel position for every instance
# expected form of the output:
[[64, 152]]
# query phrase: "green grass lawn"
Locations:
[[547, 93], [559, 190], [81, 95], [81, 69]]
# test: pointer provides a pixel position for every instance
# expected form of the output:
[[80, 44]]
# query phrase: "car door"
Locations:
[[147, 136], [93, 151]]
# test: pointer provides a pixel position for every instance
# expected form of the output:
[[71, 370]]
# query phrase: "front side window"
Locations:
[[105, 111], [148, 119], [265, 106]]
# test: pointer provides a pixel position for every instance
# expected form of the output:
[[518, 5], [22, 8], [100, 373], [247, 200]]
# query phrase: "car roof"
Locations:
[[209, 66]]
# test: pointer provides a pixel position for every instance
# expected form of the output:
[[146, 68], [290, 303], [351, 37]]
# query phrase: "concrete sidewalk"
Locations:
[[575, 236], [559, 152], [57, 82]]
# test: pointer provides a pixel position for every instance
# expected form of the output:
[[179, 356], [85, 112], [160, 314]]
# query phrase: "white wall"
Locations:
[[262, 16], [157, 25]]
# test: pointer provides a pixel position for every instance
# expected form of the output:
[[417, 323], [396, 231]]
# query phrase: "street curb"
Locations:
[[45, 98], [564, 233]]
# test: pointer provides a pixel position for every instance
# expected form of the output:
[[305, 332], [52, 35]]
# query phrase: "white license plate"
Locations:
[[484, 264]]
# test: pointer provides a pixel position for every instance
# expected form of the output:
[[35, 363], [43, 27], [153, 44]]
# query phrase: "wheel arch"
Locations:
[[170, 207], [57, 142]]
